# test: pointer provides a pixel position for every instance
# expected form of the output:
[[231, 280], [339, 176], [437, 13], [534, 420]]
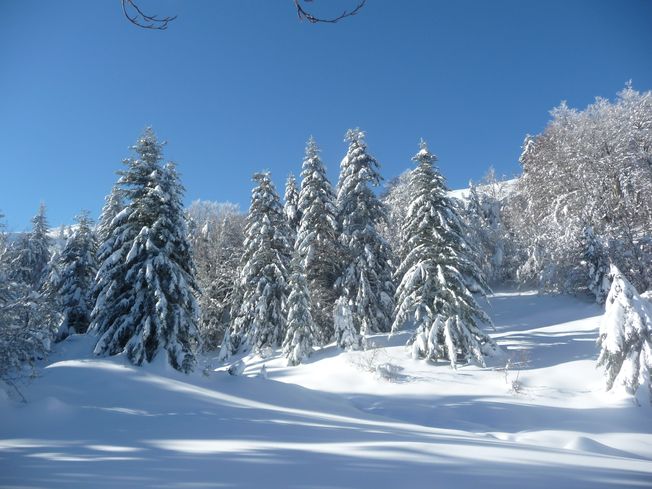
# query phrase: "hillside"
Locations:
[[374, 419]]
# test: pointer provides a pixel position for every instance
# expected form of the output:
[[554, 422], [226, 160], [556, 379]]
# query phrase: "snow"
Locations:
[[358, 419]]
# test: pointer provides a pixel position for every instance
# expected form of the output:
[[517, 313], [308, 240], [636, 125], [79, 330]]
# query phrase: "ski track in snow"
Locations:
[[374, 419]]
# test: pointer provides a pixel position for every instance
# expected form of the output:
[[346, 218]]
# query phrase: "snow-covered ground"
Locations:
[[373, 419]]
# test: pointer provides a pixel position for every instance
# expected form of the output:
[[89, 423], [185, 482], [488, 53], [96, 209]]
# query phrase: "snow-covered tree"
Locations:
[[27, 318], [113, 205], [216, 234], [596, 261], [432, 294], [300, 333], [291, 206], [30, 254], [317, 240], [625, 339], [483, 216], [146, 280], [346, 336], [263, 285], [588, 168], [396, 198], [366, 280], [77, 265]]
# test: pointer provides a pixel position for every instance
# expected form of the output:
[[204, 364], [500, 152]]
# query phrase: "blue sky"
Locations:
[[236, 86]]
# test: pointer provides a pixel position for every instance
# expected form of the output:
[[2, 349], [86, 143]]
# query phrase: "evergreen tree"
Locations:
[[346, 336], [113, 205], [77, 265], [146, 300], [366, 281], [300, 333], [263, 284], [432, 293], [30, 254], [291, 206], [596, 263], [317, 241], [625, 339]]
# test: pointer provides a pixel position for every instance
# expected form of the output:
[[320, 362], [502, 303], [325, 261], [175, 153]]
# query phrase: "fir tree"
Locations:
[[263, 286], [291, 206], [317, 241], [77, 265], [366, 281], [146, 300], [432, 293], [625, 339], [300, 333]]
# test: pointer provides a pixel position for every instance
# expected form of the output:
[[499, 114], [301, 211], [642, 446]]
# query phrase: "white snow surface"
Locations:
[[369, 419]]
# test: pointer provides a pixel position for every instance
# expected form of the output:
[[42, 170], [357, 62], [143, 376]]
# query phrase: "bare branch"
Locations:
[[304, 14], [139, 18], [136, 16]]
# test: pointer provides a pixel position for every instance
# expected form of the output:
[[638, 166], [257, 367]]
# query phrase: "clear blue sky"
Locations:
[[236, 86]]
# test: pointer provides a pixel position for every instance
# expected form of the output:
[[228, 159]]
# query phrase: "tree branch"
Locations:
[[136, 16], [305, 15]]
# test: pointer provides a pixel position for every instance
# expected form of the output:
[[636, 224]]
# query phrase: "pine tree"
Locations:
[[300, 333], [625, 339], [261, 320], [146, 300], [77, 265], [317, 241], [432, 293], [366, 281], [291, 206]]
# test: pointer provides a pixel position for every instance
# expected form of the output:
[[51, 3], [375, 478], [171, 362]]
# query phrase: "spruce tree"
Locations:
[[432, 292], [300, 334], [625, 339], [146, 280], [77, 265], [366, 281], [263, 285], [317, 241]]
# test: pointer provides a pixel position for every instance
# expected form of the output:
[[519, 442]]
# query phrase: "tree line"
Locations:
[[337, 263]]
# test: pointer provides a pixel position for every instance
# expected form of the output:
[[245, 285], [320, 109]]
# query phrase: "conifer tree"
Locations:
[[263, 285], [625, 339], [113, 205], [366, 280], [30, 255], [146, 300], [317, 240], [432, 292], [291, 206], [77, 265], [300, 334]]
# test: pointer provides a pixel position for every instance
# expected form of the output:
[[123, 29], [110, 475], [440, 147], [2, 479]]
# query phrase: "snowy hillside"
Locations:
[[372, 419]]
